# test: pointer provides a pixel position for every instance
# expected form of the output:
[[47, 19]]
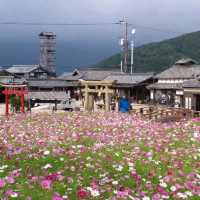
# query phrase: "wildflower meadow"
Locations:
[[100, 156]]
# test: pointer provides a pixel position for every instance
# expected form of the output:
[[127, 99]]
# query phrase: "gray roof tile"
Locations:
[[48, 95], [164, 86], [88, 75], [22, 68], [50, 83], [183, 69], [133, 79]]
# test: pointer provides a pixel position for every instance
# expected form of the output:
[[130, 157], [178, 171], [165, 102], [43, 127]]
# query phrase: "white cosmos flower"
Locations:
[[95, 193], [165, 197], [182, 195], [119, 168], [198, 176], [115, 182], [3, 167], [188, 193], [130, 164], [46, 153], [14, 195], [62, 159], [47, 166], [173, 188], [146, 198], [196, 134], [163, 184]]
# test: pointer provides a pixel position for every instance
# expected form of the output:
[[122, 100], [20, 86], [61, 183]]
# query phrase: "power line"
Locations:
[[91, 24], [55, 24]]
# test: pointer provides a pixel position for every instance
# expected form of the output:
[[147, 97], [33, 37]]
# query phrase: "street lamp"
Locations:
[[132, 49], [122, 45]]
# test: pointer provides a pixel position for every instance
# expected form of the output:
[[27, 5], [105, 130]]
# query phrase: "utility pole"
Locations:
[[132, 53], [125, 44]]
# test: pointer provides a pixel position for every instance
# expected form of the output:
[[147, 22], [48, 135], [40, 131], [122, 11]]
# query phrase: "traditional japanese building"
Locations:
[[48, 90], [191, 90], [30, 72], [103, 88], [168, 89]]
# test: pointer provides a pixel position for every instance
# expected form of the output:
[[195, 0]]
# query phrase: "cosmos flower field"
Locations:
[[102, 156]]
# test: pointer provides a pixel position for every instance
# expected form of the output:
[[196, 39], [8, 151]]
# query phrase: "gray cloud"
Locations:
[[178, 15]]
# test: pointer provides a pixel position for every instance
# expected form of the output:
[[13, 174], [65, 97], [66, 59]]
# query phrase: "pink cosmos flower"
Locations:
[[82, 193], [122, 193], [10, 180], [156, 197], [34, 178], [161, 190], [11, 193], [15, 173], [46, 184], [56, 196], [2, 183]]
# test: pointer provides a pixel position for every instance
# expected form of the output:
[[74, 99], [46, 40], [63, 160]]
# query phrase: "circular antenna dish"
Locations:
[[133, 31]]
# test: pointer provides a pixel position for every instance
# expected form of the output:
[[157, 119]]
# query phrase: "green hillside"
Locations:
[[159, 56]]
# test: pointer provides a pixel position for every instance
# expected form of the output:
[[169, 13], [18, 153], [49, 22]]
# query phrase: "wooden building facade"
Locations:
[[102, 89], [169, 87]]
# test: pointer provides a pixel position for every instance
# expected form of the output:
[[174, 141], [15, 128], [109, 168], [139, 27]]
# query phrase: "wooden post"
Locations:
[[22, 100], [107, 99], [22, 103], [7, 102], [86, 97]]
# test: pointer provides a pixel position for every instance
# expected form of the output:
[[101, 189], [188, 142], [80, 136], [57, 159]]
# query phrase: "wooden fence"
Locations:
[[164, 114]]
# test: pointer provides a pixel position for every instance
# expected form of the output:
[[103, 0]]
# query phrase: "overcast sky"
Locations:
[[179, 16]]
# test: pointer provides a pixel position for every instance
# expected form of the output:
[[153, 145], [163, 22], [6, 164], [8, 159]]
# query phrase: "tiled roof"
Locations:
[[88, 75], [12, 79], [48, 95], [165, 86], [133, 79], [50, 83], [22, 68], [183, 69]]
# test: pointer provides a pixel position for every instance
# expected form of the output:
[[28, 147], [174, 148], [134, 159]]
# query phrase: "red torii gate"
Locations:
[[18, 90]]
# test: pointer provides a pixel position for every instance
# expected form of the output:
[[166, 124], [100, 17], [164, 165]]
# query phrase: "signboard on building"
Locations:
[[179, 92]]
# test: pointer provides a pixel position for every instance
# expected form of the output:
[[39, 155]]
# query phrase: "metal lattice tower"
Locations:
[[48, 51]]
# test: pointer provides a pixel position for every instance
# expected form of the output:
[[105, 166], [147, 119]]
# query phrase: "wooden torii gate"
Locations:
[[103, 87], [14, 89]]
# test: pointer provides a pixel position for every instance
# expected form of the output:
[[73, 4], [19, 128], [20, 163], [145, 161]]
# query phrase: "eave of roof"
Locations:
[[194, 83], [165, 86], [48, 95], [21, 69], [51, 83]]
